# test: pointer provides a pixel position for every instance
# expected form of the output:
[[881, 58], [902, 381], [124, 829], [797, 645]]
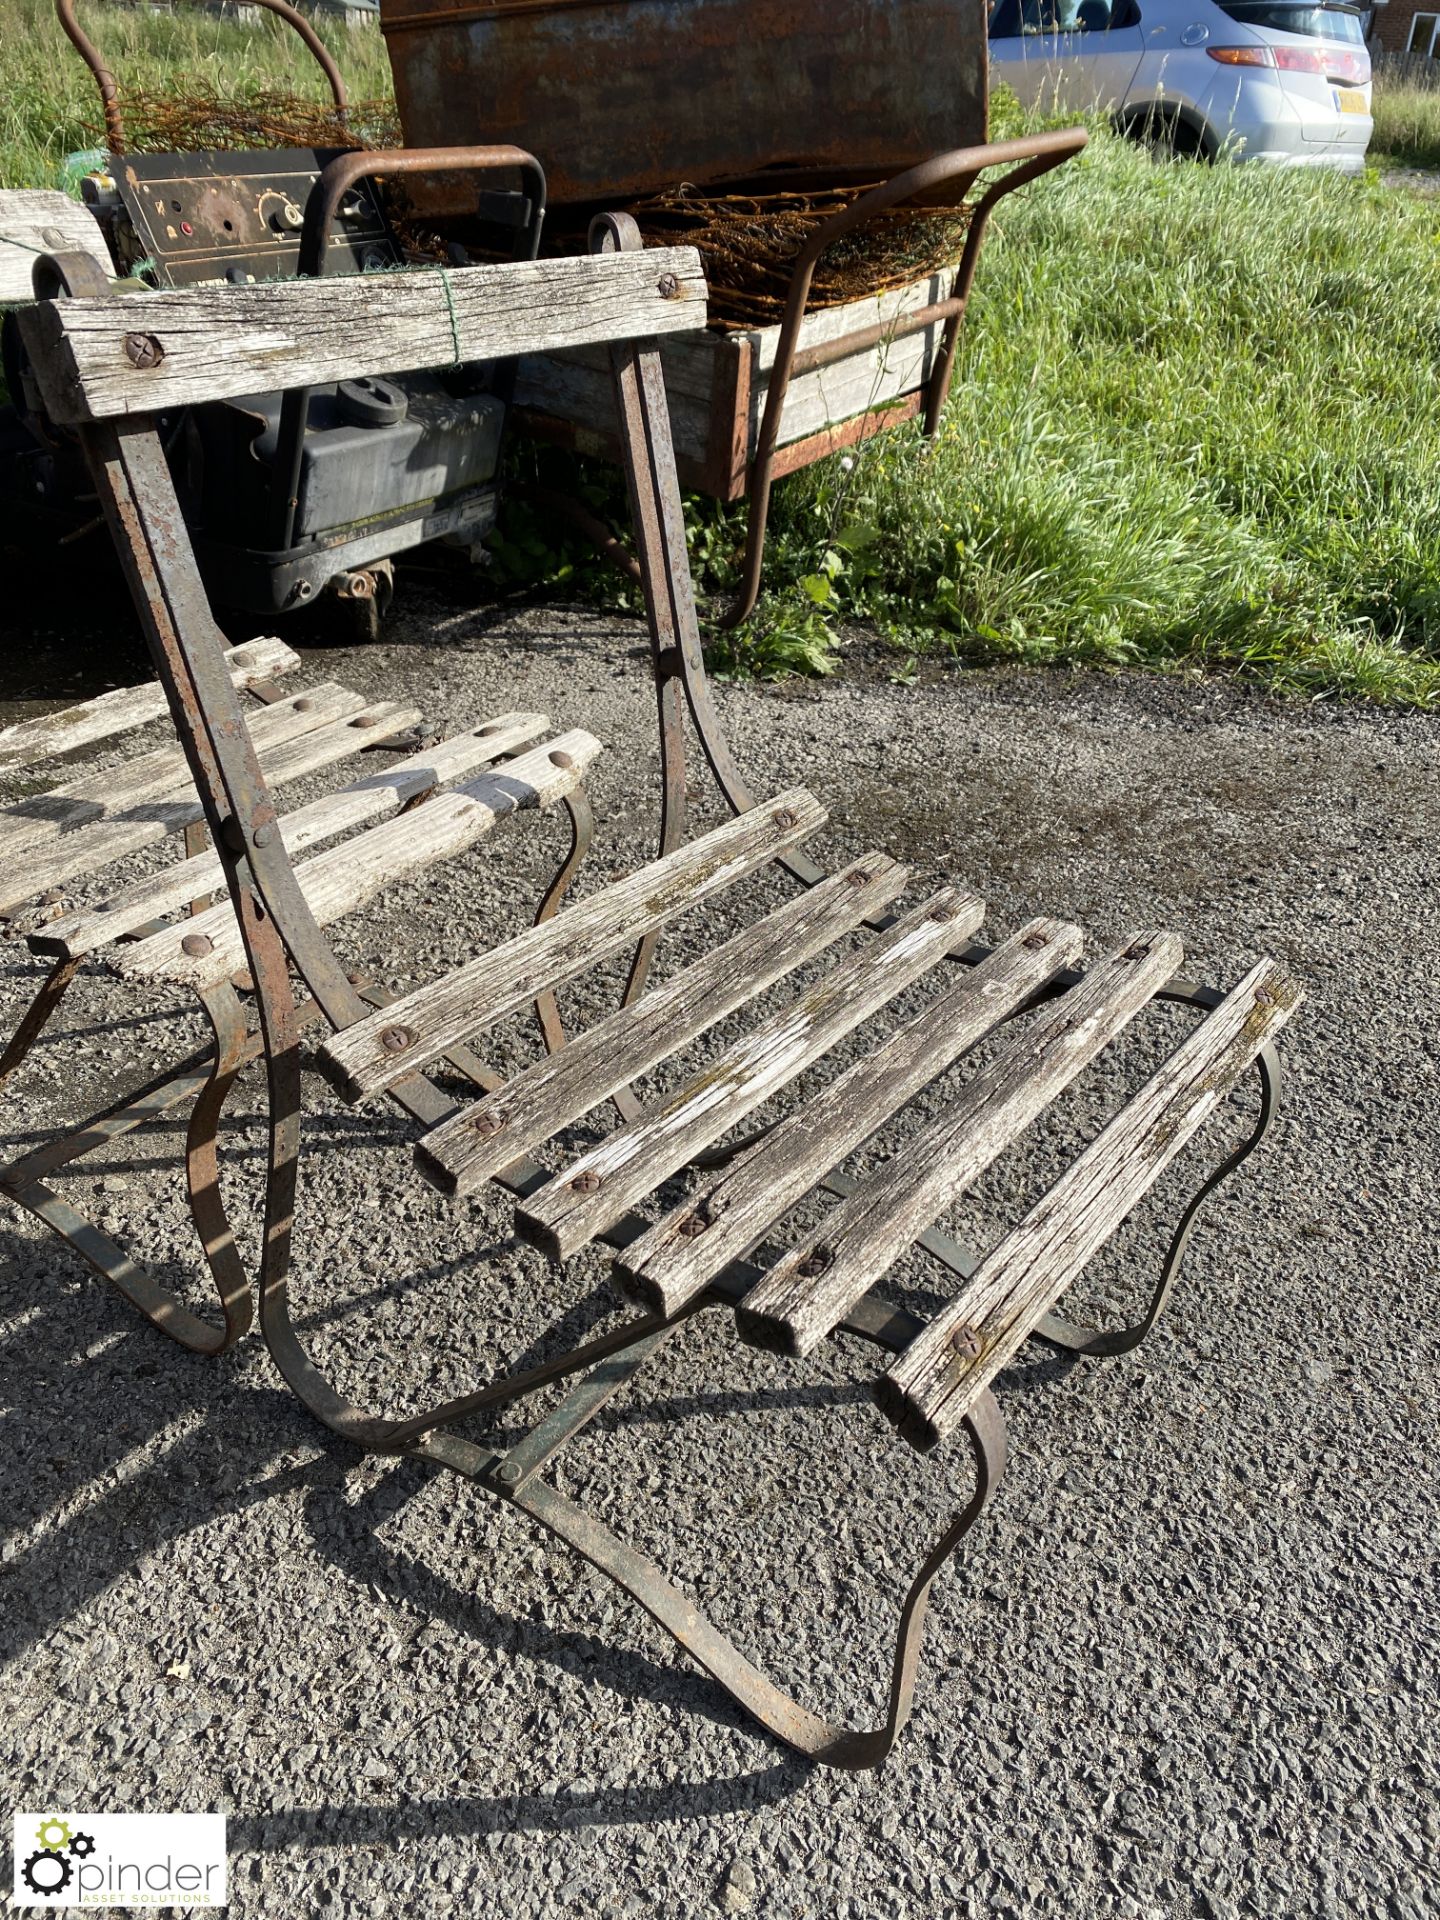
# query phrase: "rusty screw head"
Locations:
[[586, 1182], [942, 910], [691, 1225], [784, 816], [197, 945], [487, 1123], [366, 720], [264, 833], [397, 1039], [814, 1262], [306, 705], [667, 286], [856, 877], [1036, 939], [508, 1473], [560, 758], [967, 1341], [143, 350]]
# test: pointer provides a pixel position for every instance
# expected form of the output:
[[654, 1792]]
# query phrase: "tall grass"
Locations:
[[1407, 124], [48, 101], [1194, 422]]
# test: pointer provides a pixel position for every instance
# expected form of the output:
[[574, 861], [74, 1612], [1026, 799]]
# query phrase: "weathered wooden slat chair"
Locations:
[[696, 1253], [60, 849]]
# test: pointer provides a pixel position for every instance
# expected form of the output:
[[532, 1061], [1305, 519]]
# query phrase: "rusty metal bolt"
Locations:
[[307, 705], [143, 350], [942, 910], [586, 1182], [508, 1472], [264, 833], [197, 945], [560, 758], [967, 1341], [667, 286], [366, 720], [397, 1039], [815, 1262], [484, 733], [1136, 952], [487, 1123], [856, 877], [784, 816], [691, 1225], [1036, 939], [1264, 997]]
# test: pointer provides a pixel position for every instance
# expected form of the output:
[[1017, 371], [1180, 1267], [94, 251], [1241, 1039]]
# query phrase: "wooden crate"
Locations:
[[717, 382]]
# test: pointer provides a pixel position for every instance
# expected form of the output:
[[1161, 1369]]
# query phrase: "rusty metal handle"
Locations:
[[347, 168], [957, 171], [110, 92], [320, 208]]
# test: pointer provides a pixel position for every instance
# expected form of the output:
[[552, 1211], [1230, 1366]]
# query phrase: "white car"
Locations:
[[1246, 79]]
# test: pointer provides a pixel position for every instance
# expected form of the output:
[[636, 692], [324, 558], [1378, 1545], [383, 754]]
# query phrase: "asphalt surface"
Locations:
[[1184, 1666]]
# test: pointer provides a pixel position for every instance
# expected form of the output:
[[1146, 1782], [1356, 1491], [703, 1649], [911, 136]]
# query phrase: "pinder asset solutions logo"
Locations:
[[119, 1860]]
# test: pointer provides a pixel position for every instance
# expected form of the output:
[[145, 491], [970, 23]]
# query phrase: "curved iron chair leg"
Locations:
[[797, 1726], [233, 1048], [24, 1183], [48, 996], [1061, 1333], [582, 833]]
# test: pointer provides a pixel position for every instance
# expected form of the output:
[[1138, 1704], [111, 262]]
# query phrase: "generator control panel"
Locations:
[[236, 218]]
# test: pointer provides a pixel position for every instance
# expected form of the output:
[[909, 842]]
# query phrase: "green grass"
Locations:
[[1194, 423], [49, 105], [1407, 125]]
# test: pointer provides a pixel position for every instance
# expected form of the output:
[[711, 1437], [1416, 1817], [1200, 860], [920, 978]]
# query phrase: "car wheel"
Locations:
[[1167, 134]]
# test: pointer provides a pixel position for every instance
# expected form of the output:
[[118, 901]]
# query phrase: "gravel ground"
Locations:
[[1186, 1664]]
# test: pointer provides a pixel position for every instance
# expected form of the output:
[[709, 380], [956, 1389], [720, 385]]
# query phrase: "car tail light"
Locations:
[[1344, 64]]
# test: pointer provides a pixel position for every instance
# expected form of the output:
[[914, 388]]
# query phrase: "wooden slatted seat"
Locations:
[[810, 1290], [60, 849], [834, 1057]]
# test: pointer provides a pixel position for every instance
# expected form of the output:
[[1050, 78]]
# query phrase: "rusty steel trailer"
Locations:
[[622, 97]]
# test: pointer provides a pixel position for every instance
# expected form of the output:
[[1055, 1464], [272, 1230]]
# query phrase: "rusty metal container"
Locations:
[[619, 98]]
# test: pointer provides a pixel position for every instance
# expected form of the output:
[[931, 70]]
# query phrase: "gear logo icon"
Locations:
[[82, 1846], [53, 1834], [47, 1871]]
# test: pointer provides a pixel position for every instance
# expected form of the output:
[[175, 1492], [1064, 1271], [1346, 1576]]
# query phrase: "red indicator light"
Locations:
[[185, 227]]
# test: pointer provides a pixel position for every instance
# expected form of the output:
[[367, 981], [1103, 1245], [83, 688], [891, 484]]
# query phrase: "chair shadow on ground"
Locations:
[[226, 1464]]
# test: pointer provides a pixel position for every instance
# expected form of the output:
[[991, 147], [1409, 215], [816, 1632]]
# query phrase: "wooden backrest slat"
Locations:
[[142, 353]]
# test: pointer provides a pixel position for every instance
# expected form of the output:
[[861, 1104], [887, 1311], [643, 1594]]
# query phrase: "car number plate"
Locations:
[[1349, 100]]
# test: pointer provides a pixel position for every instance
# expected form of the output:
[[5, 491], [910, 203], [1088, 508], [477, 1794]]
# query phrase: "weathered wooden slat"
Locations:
[[40, 220], [808, 1292], [593, 1191], [377, 793], [113, 791], [463, 1153], [732, 1210], [342, 880], [941, 1373], [31, 743], [222, 343], [359, 1062], [287, 752]]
